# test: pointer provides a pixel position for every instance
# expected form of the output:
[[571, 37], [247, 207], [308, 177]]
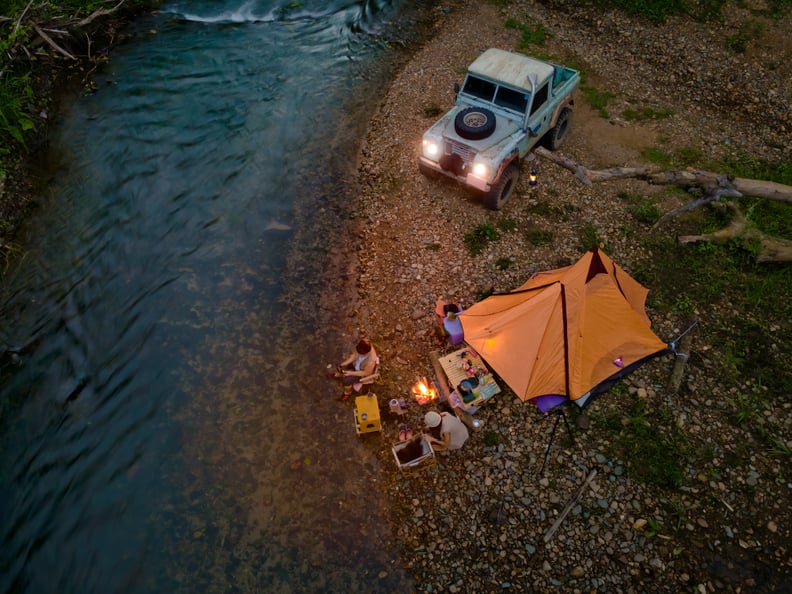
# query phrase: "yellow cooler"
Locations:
[[367, 414]]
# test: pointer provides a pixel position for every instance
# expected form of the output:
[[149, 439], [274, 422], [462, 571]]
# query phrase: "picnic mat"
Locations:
[[466, 364]]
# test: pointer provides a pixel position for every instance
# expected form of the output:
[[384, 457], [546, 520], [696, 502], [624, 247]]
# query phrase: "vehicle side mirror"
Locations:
[[456, 88]]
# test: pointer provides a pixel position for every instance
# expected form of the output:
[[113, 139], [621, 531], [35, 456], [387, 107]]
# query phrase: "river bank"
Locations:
[[477, 522]]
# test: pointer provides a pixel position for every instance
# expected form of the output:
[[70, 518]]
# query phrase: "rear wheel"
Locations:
[[555, 137], [503, 188]]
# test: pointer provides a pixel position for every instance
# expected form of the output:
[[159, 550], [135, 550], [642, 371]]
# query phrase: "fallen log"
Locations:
[[714, 185]]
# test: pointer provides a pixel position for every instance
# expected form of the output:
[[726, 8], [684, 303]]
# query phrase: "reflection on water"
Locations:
[[165, 423]]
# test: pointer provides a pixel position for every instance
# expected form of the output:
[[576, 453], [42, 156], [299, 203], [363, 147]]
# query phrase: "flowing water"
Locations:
[[166, 426]]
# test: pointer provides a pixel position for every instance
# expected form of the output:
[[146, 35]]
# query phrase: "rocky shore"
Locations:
[[481, 519]]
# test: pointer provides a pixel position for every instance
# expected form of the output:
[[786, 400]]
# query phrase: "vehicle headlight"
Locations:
[[481, 170], [431, 149]]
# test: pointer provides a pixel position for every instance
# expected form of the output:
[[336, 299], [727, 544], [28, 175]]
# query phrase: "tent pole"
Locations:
[[559, 413]]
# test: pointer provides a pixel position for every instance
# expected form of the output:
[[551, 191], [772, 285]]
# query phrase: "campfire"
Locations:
[[424, 392]]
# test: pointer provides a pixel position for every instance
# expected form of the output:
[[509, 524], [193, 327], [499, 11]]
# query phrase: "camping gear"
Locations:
[[446, 315], [425, 458], [566, 334], [398, 407], [367, 414], [465, 369]]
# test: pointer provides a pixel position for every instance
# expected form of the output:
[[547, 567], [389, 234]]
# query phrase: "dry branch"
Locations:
[[98, 13], [52, 44], [549, 534], [705, 180], [714, 185], [770, 249]]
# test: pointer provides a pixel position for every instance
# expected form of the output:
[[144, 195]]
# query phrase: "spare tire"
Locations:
[[474, 123]]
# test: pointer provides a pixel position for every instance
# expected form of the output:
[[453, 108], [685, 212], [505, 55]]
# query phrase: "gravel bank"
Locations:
[[476, 522]]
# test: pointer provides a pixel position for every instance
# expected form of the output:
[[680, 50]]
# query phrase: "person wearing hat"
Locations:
[[445, 431]]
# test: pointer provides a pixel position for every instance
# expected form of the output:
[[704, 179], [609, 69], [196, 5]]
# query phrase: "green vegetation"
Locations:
[[477, 239], [748, 32], [641, 208], [432, 111], [491, 438], [653, 448], [538, 236], [503, 263], [647, 113], [597, 99], [589, 237], [681, 158], [15, 96], [506, 224], [530, 37], [20, 96]]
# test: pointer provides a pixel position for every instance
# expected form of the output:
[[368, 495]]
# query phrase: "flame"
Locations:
[[423, 392]]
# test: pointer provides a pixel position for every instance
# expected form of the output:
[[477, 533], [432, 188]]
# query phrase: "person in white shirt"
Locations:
[[445, 431]]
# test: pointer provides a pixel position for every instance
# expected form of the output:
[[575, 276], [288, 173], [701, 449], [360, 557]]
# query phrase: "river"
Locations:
[[166, 425]]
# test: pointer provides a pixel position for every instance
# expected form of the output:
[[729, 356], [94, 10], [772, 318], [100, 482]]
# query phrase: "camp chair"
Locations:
[[365, 383], [446, 327]]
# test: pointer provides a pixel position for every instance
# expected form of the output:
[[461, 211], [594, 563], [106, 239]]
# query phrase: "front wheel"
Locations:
[[503, 188]]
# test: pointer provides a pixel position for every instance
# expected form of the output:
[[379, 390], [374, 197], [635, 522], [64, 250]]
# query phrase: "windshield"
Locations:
[[501, 96]]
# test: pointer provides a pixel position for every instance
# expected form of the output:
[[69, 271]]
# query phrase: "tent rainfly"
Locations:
[[566, 334]]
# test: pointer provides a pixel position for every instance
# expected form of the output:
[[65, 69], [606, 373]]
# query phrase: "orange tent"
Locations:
[[565, 334]]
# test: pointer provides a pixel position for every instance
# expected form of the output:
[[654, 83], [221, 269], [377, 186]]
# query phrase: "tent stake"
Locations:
[[549, 534]]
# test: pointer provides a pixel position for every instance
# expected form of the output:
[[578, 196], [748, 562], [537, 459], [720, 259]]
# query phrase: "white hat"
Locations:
[[432, 419]]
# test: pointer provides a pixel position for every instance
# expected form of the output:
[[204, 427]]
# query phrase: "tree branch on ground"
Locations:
[[714, 186]]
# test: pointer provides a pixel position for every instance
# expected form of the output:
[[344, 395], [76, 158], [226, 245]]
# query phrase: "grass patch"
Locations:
[[491, 438], [738, 301], [16, 94], [684, 157], [647, 114], [477, 239], [544, 209], [506, 224], [597, 99], [752, 168], [433, 247], [503, 263], [738, 42], [652, 448], [530, 37], [538, 236], [432, 111], [589, 237], [657, 11], [645, 212]]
